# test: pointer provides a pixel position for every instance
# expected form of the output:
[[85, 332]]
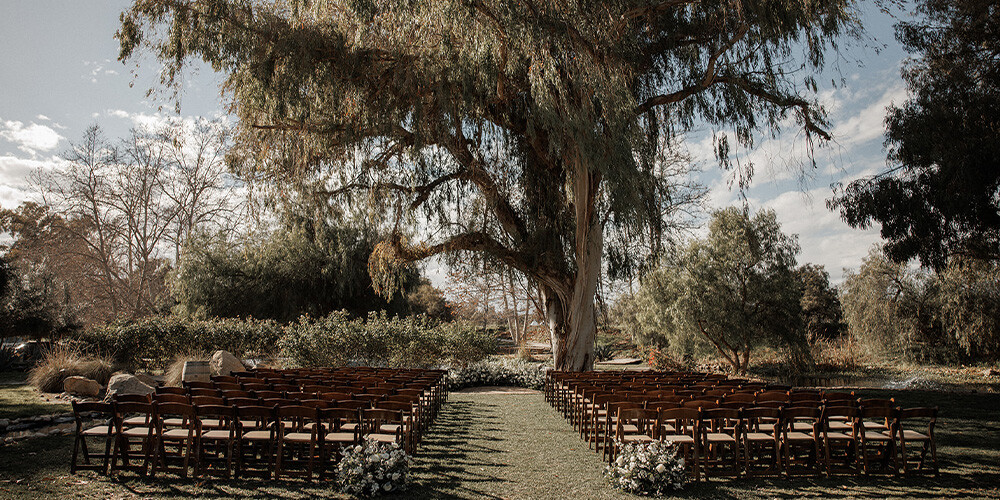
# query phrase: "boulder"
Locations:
[[125, 383], [82, 386], [224, 363], [147, 379]]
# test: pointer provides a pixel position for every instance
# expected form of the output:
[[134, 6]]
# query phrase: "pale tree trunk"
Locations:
[[570, 311]]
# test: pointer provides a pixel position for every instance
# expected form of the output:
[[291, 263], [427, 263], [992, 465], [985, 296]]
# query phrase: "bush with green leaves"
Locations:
[[382, 340], [498, 371], [647, 468], [155, 340]]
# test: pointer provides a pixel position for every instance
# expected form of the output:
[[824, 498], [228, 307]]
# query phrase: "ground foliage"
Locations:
[[536, 132]]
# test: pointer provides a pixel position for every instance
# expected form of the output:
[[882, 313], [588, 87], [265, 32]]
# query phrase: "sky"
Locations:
[[59, 74]]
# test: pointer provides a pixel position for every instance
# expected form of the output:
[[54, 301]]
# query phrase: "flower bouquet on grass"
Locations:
[[647, 468], [373, 468]]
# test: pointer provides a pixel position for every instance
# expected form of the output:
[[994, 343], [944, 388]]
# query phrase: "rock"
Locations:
[[147, 379], [82, 386], [125, 383], [224, 363]]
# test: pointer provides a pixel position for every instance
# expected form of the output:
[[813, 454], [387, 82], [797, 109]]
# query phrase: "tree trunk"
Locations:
[[570, 310]]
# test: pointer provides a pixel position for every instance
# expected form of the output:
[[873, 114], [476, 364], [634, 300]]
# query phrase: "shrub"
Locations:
[[373, 468], [62, 362], [159, 339], [647, 468], [498, 371], [414, 341]]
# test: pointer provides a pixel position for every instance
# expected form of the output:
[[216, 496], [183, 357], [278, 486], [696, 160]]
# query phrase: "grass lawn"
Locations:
[[515, 446], [17, 399]]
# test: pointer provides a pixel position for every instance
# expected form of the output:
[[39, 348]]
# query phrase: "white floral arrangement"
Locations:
[[373, 468], [647, 468], [498, 371]]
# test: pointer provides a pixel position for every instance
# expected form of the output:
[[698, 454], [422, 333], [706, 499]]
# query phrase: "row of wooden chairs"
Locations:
[[165, 435], [784, 440]]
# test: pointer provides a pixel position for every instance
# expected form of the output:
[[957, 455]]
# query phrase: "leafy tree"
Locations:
[[939, 196], [822, 316], [890, 309], [969, 302], [306, 266], [734, 290], [532, 131]]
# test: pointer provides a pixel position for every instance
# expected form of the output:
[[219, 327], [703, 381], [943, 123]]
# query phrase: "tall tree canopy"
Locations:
[[941, 194], [530, 130]]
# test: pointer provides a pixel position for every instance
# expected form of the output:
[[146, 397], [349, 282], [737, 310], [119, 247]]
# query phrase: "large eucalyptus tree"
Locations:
[[529, 130]]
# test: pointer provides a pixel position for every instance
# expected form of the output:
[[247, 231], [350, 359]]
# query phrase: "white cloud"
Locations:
[[43, 118], [32, 138], [869, 122]]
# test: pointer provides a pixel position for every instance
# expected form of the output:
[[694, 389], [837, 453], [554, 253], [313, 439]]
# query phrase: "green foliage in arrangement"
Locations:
[[382, 340], [156, 340], [731, 292]]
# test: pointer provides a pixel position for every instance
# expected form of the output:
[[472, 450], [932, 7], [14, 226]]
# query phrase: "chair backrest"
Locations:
[[878, 403], [717, 419], [644, 420], [372, 418], [753, 417], [171, 398], [313, 388], [232, 393], [103, 410], [196, 391], [222, 412], [198, 385], [701, 403], [742, 397], [170, 390], [769, 396], [336, 417], [886, 414], [809, 415], [224, 378], [298, 415], [684, 420], [228, 386], [925, 415], [267, 394], [132, 398], [262, 415], [207, 400]]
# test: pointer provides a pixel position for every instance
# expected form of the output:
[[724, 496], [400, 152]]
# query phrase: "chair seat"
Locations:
[[875, 426], [176, 434], [174, 422], [877, 436], [298, 437], [630, 429], [252, 424], [212, 423], [636, 438], [801, 426], [136, 421], [719, 437], [678, 438], [765, 427], [339, 437], [216, 435], [100, 430], [912, 435], [390, 428], [257, 436], [382, 438], [137, 432], [759, 436], [839, 425], [798, 436], [840, 436]]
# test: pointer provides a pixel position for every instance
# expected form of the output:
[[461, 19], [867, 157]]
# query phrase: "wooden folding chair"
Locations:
[[406, 427], [761, 445], [105, 416], [373, 422], [721, 429], [340, 429], [255, 431], [800, 436], [633, 425], [183, 438], [217, 440], [298, 444], [681, 426], [876, 443], [840, 444], [136, 437], [908, 436]]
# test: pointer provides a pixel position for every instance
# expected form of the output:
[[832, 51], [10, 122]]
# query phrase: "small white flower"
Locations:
[[660, 468]]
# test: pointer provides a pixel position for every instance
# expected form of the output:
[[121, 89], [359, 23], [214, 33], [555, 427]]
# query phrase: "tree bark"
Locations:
[[570, 310]]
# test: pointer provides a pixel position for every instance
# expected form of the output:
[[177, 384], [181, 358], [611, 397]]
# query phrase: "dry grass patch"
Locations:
[[62, 362]]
